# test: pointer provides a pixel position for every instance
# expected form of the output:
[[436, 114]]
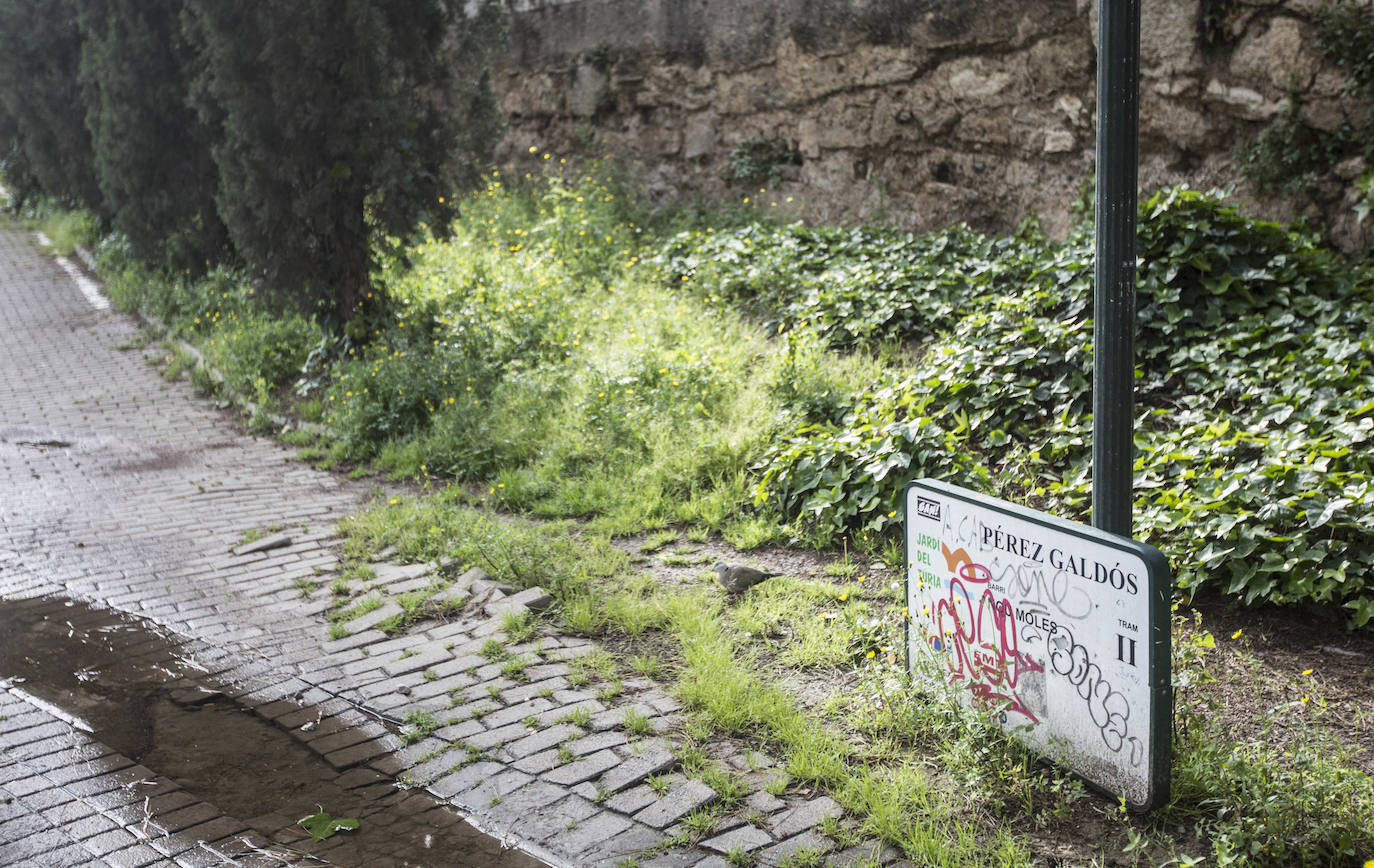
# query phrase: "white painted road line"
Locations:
[[87, 286]]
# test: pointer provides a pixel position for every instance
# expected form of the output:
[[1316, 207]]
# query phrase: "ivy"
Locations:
[[1255, 395]]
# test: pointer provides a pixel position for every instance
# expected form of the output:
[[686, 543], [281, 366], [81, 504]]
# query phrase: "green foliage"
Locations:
[[1290, 153], [1253, 364], [151, 150], [340, 124], [249, 348], [419, 725], [760, 161], [321, 825], [1292, 794], [68, 229], [1345, 31], [45, 147], [850, 286], [1364, 202], [452, 367]]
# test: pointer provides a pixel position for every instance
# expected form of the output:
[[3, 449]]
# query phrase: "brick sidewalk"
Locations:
[[127, 491]]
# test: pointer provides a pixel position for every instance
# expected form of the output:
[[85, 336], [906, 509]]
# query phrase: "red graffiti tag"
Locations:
[[979, 638]]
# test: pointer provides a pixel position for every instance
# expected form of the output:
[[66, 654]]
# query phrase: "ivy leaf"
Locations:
[[1316, 520], [321, 825]]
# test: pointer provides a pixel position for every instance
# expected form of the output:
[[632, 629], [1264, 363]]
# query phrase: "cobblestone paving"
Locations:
[[126, 491]]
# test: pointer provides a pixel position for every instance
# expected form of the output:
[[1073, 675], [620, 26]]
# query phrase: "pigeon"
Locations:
[[739, 578]]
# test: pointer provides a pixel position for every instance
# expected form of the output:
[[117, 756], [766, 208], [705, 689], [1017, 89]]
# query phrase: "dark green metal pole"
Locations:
[[1118, 88]]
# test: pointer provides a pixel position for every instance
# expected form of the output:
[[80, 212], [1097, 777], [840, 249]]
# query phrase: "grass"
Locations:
[[636, 724], [944, 809], [419, 725], [66, 230], [520, 627]]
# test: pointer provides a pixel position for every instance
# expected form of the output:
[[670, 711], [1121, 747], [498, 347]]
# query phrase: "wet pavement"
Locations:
[[181, 702], [123, 490], [140, 694]]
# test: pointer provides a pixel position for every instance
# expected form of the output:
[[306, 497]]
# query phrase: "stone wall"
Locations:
[[921, 112]]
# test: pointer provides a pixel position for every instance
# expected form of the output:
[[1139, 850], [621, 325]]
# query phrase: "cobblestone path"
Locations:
[[125, 491]]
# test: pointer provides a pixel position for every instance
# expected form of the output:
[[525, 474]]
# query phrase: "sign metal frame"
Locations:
[[1067, 665]]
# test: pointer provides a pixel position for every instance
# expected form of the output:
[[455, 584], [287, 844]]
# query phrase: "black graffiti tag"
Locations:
[[1108, 707]]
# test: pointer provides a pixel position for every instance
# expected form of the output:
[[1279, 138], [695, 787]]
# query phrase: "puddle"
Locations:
[[136, 693]]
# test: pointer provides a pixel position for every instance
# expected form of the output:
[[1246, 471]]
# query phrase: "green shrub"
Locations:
[[246, 348], [1253, 385]]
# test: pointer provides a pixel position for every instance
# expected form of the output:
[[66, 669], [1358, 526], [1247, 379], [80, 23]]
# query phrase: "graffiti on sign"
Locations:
[[1054, 627]]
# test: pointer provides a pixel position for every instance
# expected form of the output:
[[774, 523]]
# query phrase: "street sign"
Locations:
[[1060, 629]]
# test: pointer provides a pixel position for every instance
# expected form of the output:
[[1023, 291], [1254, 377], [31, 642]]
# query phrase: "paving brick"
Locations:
[[808, 843], [588, 833], [632, 799], [530, 797], [373, 618], [160, 486], [680, 859], [464, 779], [361, 753], [677, 803], [499, 736], [744, 839], [559, 816], [35, 849], [804, 816], [595, 742], [137, 856], [354, 640], [764, 802], [864, 853], [534, 599], [109, 841], [343, 738], [625, 846], [512, 713], [184, 818], [496, 787], [88, 826], [614, 717], [461, 730], [540, 740], [653, 757], [583, 769]]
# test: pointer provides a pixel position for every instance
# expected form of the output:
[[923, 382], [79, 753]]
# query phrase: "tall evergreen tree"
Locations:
[[48, 147], [338, 122], [152, 152]]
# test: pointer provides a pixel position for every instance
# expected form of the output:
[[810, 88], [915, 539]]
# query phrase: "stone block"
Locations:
[[744, 839], [654, 757], [583, 769], [427, 658], [267, 543], [787, 852], [534, 599], [373, 618], [804, 816], [680, 801], [588, 833], [465, 779]]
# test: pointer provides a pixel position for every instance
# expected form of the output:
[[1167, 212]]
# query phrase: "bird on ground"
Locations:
[[739, 578]]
